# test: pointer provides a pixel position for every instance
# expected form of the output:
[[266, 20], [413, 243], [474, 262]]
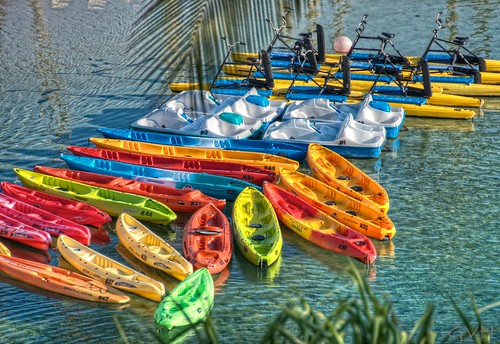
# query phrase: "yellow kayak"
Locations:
[[434, 111], [256, 228], [267, 161], [4, 250], [150, 248], [98, 266], [359, 216], [338, 172]]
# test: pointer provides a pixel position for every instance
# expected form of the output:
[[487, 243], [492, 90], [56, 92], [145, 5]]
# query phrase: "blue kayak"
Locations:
[[287, 150], [220, 187]]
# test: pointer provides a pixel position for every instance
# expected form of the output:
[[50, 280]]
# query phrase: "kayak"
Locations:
[[188, 303], [4, 250], [219, 187], [110, 201], [17, 231], [207, 239], [268, 161], [150, 248], [252, 174], [43, 220], [287, 150], [61, 281], [317, 227], [347, 210], [75, 211], [338, 172], [179, 200], [98, 266], [256, 228]]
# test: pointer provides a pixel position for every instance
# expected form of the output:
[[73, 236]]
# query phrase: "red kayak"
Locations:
[[179, 200], [43, 220], [318, 227], [24, 234], [251, 174], [75, 211], [207, 240]]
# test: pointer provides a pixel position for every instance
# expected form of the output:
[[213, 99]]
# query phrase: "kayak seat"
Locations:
[[215, 244], [315, 223]]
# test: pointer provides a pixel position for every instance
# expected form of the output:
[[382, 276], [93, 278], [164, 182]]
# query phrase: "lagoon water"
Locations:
[[65, 72]]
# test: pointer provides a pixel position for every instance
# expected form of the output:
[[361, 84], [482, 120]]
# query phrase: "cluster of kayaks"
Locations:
[[273, 149], [143, 184]]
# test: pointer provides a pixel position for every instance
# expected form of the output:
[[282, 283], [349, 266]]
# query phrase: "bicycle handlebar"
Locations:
[[229, 45]]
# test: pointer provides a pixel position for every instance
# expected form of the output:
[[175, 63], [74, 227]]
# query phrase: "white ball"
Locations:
[[342, 44]]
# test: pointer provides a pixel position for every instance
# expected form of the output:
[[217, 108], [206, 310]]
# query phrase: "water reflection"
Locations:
[[22, 251], [145, 269], [438, 124], [52, 106], [255, 274]]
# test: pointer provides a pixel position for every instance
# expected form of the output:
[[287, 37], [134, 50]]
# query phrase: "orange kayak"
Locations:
[[60, 280], [207, 239]]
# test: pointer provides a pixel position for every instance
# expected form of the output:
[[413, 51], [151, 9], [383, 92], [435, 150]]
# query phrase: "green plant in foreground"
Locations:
[[361, 318], [479, 334]]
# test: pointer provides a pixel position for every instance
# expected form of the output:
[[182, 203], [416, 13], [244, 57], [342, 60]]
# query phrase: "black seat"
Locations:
[[461, 40], [305, 34], [388, 35]]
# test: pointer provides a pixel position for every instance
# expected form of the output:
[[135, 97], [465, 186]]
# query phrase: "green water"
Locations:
[[64, 73]]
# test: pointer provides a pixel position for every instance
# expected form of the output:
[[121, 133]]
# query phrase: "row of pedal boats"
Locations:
[[352, 129], [338, 208]]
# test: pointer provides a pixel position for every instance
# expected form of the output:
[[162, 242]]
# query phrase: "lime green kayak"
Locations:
[[256, 227], [189, 302], [112, 202]]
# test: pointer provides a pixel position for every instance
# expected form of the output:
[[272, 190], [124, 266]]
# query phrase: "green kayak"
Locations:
[[112, 202], [189, 302]]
